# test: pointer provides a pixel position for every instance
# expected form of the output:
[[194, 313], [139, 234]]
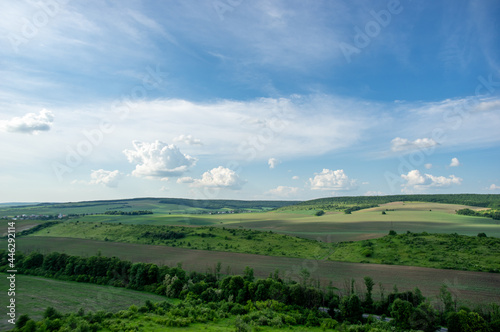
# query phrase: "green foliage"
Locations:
[[319, 213], [494, 214], [351, 309], [425, 318], [392, 233], [464, 321], [402, 311], [22, 320]]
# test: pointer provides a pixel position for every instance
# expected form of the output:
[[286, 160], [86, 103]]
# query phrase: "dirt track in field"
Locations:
[[470, 287]]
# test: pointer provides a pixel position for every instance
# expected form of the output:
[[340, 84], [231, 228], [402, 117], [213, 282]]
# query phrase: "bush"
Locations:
[[392, 233]]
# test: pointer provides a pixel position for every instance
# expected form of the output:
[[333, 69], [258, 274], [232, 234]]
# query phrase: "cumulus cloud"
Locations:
[[107, 178], [494, 187], [454, 162], [283, 191], [402, 144], [31, 123], [295, 177], [273, 162], [428, 166], [158, 160], [188, 139], [332, 180], [416, 181], [219, 177]]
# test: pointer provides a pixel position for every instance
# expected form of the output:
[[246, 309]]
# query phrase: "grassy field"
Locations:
[[35, 294], [206, 238], [415, 217], [475, 287], [448, 251]]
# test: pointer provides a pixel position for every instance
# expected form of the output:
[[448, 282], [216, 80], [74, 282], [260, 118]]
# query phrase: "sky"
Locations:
[[239, 99]]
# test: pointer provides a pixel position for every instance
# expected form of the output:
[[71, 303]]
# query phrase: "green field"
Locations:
[[35, 294], [333, 226], [447, 251], [206, 238]]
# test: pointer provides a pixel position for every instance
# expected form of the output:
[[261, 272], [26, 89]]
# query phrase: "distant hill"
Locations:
[[156, 205], [342, 203]]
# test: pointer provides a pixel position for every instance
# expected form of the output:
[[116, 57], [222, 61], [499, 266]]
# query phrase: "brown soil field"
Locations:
[[470, 288]]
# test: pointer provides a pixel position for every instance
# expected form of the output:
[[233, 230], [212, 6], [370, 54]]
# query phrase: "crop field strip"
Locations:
[[476, 287]]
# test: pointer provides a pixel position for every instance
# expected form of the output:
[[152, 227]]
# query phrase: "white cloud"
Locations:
[[494, 187], [486, 106], [188, 139], [219, 177], [107, 178], [295, 177], [454, 162], [283, 191], [158, 160], [185, 179], [30, 123], [373, 193], [428, 166], [399, 144], [416, 181], [332, 180], [273, 162]]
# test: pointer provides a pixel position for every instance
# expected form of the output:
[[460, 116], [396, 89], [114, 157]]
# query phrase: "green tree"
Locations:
[[369, 288], [446, 299], [424, 318], [351, 309], [464, 321], [401, 311], [22, 320], [248, 274]]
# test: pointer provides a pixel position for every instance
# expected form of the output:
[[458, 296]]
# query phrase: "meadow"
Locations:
[[333, 226], [35, 294]]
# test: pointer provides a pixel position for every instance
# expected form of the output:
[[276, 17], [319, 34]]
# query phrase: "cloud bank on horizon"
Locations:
[[258, 100]]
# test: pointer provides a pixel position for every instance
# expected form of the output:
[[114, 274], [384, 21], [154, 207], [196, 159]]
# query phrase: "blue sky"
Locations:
[[248, 99]]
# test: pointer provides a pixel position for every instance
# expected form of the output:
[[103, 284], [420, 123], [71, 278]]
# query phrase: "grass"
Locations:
[[206, 238], [475, 287], [35, 294], [447, 251]]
